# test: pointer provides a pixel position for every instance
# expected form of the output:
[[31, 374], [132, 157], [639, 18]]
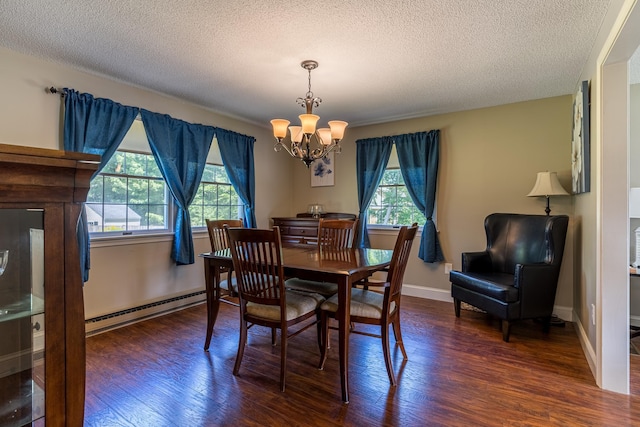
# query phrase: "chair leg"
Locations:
[[283, 356], [241, 344], [387, 354], [546, 324], [319, 331], [324, 322], [506, 329], [397, 333], [456, 306], [273, 337]]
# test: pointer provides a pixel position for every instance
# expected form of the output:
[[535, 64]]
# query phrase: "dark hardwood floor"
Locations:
[[459, 373]]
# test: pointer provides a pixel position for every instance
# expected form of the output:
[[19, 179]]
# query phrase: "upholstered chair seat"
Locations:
[[325, 289], [224, 284], [364, 303], [297, 304]]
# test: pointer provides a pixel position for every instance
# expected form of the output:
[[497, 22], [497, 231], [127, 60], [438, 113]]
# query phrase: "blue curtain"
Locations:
[[94, 126], [372, 156], [418, 155], [237, 156], [180, 150]]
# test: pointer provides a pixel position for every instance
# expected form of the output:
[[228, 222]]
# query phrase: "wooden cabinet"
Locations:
[[303, 228], [297, 230], [42, 349]]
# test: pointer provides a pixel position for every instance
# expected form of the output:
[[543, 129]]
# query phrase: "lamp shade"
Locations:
[[279, 127], [634, 203], [547, 184], [337, 129], [325, 136], [296, 133], [308, 122]]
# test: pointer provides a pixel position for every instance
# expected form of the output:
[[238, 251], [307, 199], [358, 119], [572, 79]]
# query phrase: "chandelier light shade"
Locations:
[[546, 185], [306, 142]]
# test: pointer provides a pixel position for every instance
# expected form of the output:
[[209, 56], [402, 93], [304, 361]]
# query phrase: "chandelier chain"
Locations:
[[309, 93]]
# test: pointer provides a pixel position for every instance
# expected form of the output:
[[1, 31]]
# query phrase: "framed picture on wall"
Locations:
[[580, 147], [323, 171]]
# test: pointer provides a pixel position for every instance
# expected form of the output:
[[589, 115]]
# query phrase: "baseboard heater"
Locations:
[[107, 322]]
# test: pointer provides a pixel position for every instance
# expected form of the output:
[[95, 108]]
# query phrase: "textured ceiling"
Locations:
[[379, 59]]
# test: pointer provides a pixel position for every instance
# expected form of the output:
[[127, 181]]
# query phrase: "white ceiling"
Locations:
[[379, 59]]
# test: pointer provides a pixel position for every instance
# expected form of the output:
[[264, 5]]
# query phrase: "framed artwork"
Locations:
[[580, 147], [323, 171]]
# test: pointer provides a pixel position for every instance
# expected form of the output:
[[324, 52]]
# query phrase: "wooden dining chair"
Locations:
[[219, 241], [257, 260], [375, 308], [332, 234]]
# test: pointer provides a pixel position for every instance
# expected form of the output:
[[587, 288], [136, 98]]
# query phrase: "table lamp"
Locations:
[[546, 185]]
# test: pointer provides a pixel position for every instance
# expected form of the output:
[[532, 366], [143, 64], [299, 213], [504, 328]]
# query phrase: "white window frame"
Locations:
[[169, 207]]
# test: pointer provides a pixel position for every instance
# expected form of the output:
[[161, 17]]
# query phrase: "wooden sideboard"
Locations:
[[304, 228]]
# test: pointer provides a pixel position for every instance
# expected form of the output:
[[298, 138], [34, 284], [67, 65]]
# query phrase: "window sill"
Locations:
[[140, 239], [387, 230]]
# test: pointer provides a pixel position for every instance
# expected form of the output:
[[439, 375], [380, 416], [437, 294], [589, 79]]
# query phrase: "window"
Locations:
[[391, 204], [216, 198], [128, 196]]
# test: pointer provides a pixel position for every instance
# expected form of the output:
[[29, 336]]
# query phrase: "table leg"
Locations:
[[212, 287], [344, 320]]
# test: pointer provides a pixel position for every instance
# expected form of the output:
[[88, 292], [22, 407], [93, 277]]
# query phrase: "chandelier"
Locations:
[[307, 143]]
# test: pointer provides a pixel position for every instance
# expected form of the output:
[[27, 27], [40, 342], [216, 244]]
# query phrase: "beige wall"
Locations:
[[135, 271], [488, 163]]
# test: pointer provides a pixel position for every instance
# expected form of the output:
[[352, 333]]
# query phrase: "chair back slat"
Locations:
[[257, 260], [336, 233], [217, 235], [399, 260]]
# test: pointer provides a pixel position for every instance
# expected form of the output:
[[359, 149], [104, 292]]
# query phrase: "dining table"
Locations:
[[311, 262]]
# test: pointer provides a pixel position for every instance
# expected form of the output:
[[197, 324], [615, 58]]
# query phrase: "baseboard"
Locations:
[[587, 349], [634, 321], [125, 317], [426, 292], [565, 313], [104, 323]]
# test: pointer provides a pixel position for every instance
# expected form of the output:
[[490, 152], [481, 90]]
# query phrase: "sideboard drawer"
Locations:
[[303, 231], [284, 230]]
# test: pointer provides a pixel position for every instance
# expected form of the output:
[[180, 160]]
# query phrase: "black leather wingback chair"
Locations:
[[517, 275]]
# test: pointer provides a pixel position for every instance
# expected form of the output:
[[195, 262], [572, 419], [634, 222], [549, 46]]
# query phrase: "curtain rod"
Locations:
[[55, 90]]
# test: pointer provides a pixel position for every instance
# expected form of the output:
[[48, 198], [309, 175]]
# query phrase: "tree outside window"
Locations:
[[392, 204], [216, 198], [128, 195]]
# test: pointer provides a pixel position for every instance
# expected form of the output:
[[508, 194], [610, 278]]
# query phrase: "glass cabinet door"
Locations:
[[22, 320]]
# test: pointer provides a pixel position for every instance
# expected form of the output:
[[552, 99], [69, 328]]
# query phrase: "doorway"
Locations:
[[613, 281]]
